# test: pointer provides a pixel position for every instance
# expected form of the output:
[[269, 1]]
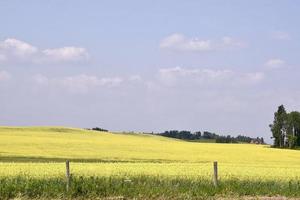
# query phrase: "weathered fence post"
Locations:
[[215, 177], [68, 175]]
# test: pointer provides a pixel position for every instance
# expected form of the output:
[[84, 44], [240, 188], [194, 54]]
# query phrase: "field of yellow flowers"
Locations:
[[42, 151], [39, 153]]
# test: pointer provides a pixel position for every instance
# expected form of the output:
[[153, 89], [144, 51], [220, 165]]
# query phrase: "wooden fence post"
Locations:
[[68, 175], [215, 177]]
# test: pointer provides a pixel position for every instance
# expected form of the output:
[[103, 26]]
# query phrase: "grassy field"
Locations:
[[138, 166]]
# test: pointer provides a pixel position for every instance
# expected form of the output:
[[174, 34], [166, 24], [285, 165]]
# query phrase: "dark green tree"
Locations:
[[293, 129], [279, 127]]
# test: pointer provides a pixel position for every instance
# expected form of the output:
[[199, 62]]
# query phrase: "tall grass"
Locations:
[[141, 187]]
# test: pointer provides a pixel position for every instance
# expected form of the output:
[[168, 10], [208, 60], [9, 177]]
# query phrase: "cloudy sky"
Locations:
[[221, 66]]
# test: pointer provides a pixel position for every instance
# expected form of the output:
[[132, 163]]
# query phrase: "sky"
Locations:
[[220, 66]]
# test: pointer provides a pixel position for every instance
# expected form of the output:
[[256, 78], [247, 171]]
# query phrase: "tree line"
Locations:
[[286, 128], [188, 135], [97, 129], [198, 135]]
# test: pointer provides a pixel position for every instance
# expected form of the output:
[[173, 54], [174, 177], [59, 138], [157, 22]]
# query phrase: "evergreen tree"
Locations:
[[279, 127]]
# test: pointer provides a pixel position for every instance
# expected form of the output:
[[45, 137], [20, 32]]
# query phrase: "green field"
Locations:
[[38, 154]]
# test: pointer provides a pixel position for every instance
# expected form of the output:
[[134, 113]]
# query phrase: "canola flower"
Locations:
[[41, 152], [188, 170]]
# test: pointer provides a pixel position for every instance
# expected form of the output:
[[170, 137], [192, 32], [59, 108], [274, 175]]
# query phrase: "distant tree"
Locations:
[[279, 127], [187, 135], [262, 140], [99, 129], [197, 135], [245, 139], [209, 135], [226, 139], [293, 129]]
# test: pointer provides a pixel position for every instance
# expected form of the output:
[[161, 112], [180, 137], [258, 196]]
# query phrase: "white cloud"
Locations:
[[206, 77], [17, 47], [110, 81], [280, 35], [176, 77], [179, 42], [231, 42], [4, 76], [82, 83], [15, 51], [275, 63], [66, 54], [79, 83]]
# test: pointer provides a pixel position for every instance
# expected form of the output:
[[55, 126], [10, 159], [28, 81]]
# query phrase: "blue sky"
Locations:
[[222, 66]]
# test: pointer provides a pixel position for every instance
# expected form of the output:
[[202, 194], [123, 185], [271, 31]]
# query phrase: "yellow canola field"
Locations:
[[173, 170], [40, 152]]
